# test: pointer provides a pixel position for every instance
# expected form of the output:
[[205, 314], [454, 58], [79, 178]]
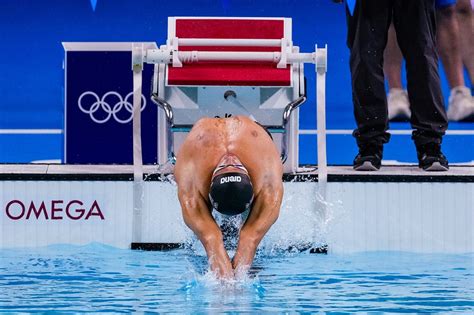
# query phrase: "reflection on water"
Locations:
[[100, 278]]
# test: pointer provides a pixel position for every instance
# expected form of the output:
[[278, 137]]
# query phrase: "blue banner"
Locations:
[[98, 111]]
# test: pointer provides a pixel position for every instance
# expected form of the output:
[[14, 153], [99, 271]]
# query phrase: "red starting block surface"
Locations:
[[229, 73]]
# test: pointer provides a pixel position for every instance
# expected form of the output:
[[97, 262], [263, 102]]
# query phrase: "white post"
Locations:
[[321, 68], [137, 67]]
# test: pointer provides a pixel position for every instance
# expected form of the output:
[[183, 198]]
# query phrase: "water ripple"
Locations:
[[102, 279]]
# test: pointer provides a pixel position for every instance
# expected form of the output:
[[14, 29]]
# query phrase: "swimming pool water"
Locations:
[[102, 279]]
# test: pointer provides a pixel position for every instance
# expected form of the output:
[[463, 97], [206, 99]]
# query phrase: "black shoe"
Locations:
[[369, 158], [430, 157]]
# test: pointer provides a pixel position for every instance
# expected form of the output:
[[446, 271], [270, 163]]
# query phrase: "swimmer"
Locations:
[[229, 165]]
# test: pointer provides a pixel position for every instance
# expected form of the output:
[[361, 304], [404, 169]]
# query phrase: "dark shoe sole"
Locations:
[[436, 167], [366, 166]]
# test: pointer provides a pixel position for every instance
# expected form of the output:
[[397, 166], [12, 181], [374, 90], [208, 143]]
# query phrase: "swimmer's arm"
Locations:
[[198, 218], [262, 216]]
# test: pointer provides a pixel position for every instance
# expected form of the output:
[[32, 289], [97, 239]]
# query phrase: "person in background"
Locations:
[[415, 24], [465, 14], [454, 41]]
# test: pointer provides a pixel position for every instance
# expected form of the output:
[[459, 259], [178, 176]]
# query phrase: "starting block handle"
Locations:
[[284, 129], [175, 57], [227, 42], [170, 125]]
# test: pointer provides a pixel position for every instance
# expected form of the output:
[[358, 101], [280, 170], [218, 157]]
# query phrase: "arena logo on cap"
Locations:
[[53, 210], [231, 179]]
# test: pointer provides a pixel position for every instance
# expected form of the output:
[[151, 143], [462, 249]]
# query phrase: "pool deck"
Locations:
[[389, 173]]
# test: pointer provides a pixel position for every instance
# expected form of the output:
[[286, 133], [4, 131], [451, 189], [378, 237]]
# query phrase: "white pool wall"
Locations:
[[357, 216]]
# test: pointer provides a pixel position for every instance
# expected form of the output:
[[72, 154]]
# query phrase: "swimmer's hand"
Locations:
[[221, 267], [244, 254], [219, 260]]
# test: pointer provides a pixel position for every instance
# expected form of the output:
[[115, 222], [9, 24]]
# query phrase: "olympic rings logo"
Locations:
[[100, 105]]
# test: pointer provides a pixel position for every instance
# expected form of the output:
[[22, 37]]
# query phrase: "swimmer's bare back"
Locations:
[[211, 138]]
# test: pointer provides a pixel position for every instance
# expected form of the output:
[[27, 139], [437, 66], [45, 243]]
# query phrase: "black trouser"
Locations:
[[415, 25]]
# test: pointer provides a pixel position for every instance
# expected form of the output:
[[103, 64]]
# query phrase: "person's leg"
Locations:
[[397, 98], [448, 45], [415, 24], [449, 48], [392, 63], [465, 16], [367, 37]]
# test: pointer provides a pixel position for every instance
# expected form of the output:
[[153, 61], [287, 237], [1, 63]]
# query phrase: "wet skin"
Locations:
[[226, 141]]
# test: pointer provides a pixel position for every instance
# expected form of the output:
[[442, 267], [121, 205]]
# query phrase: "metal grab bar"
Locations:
[[290, 107], [165, 106], [169, 121], [286, 119]]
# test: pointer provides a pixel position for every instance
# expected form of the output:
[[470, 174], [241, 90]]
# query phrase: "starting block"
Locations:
[[216, 66]]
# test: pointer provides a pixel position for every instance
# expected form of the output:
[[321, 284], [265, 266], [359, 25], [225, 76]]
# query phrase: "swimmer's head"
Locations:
[[231, 191]]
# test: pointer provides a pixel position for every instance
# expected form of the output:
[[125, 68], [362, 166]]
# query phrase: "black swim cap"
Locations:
[[231, 193]]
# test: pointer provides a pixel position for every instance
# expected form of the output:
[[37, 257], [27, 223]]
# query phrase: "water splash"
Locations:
[[230, 227], [164, 172], [302, 228], [209, 282], [297, 229]]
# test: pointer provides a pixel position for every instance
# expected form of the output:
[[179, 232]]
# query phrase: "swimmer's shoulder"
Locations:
[[213, 120], [204, 122], [207, 123], [245, 119], [249, 121]]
